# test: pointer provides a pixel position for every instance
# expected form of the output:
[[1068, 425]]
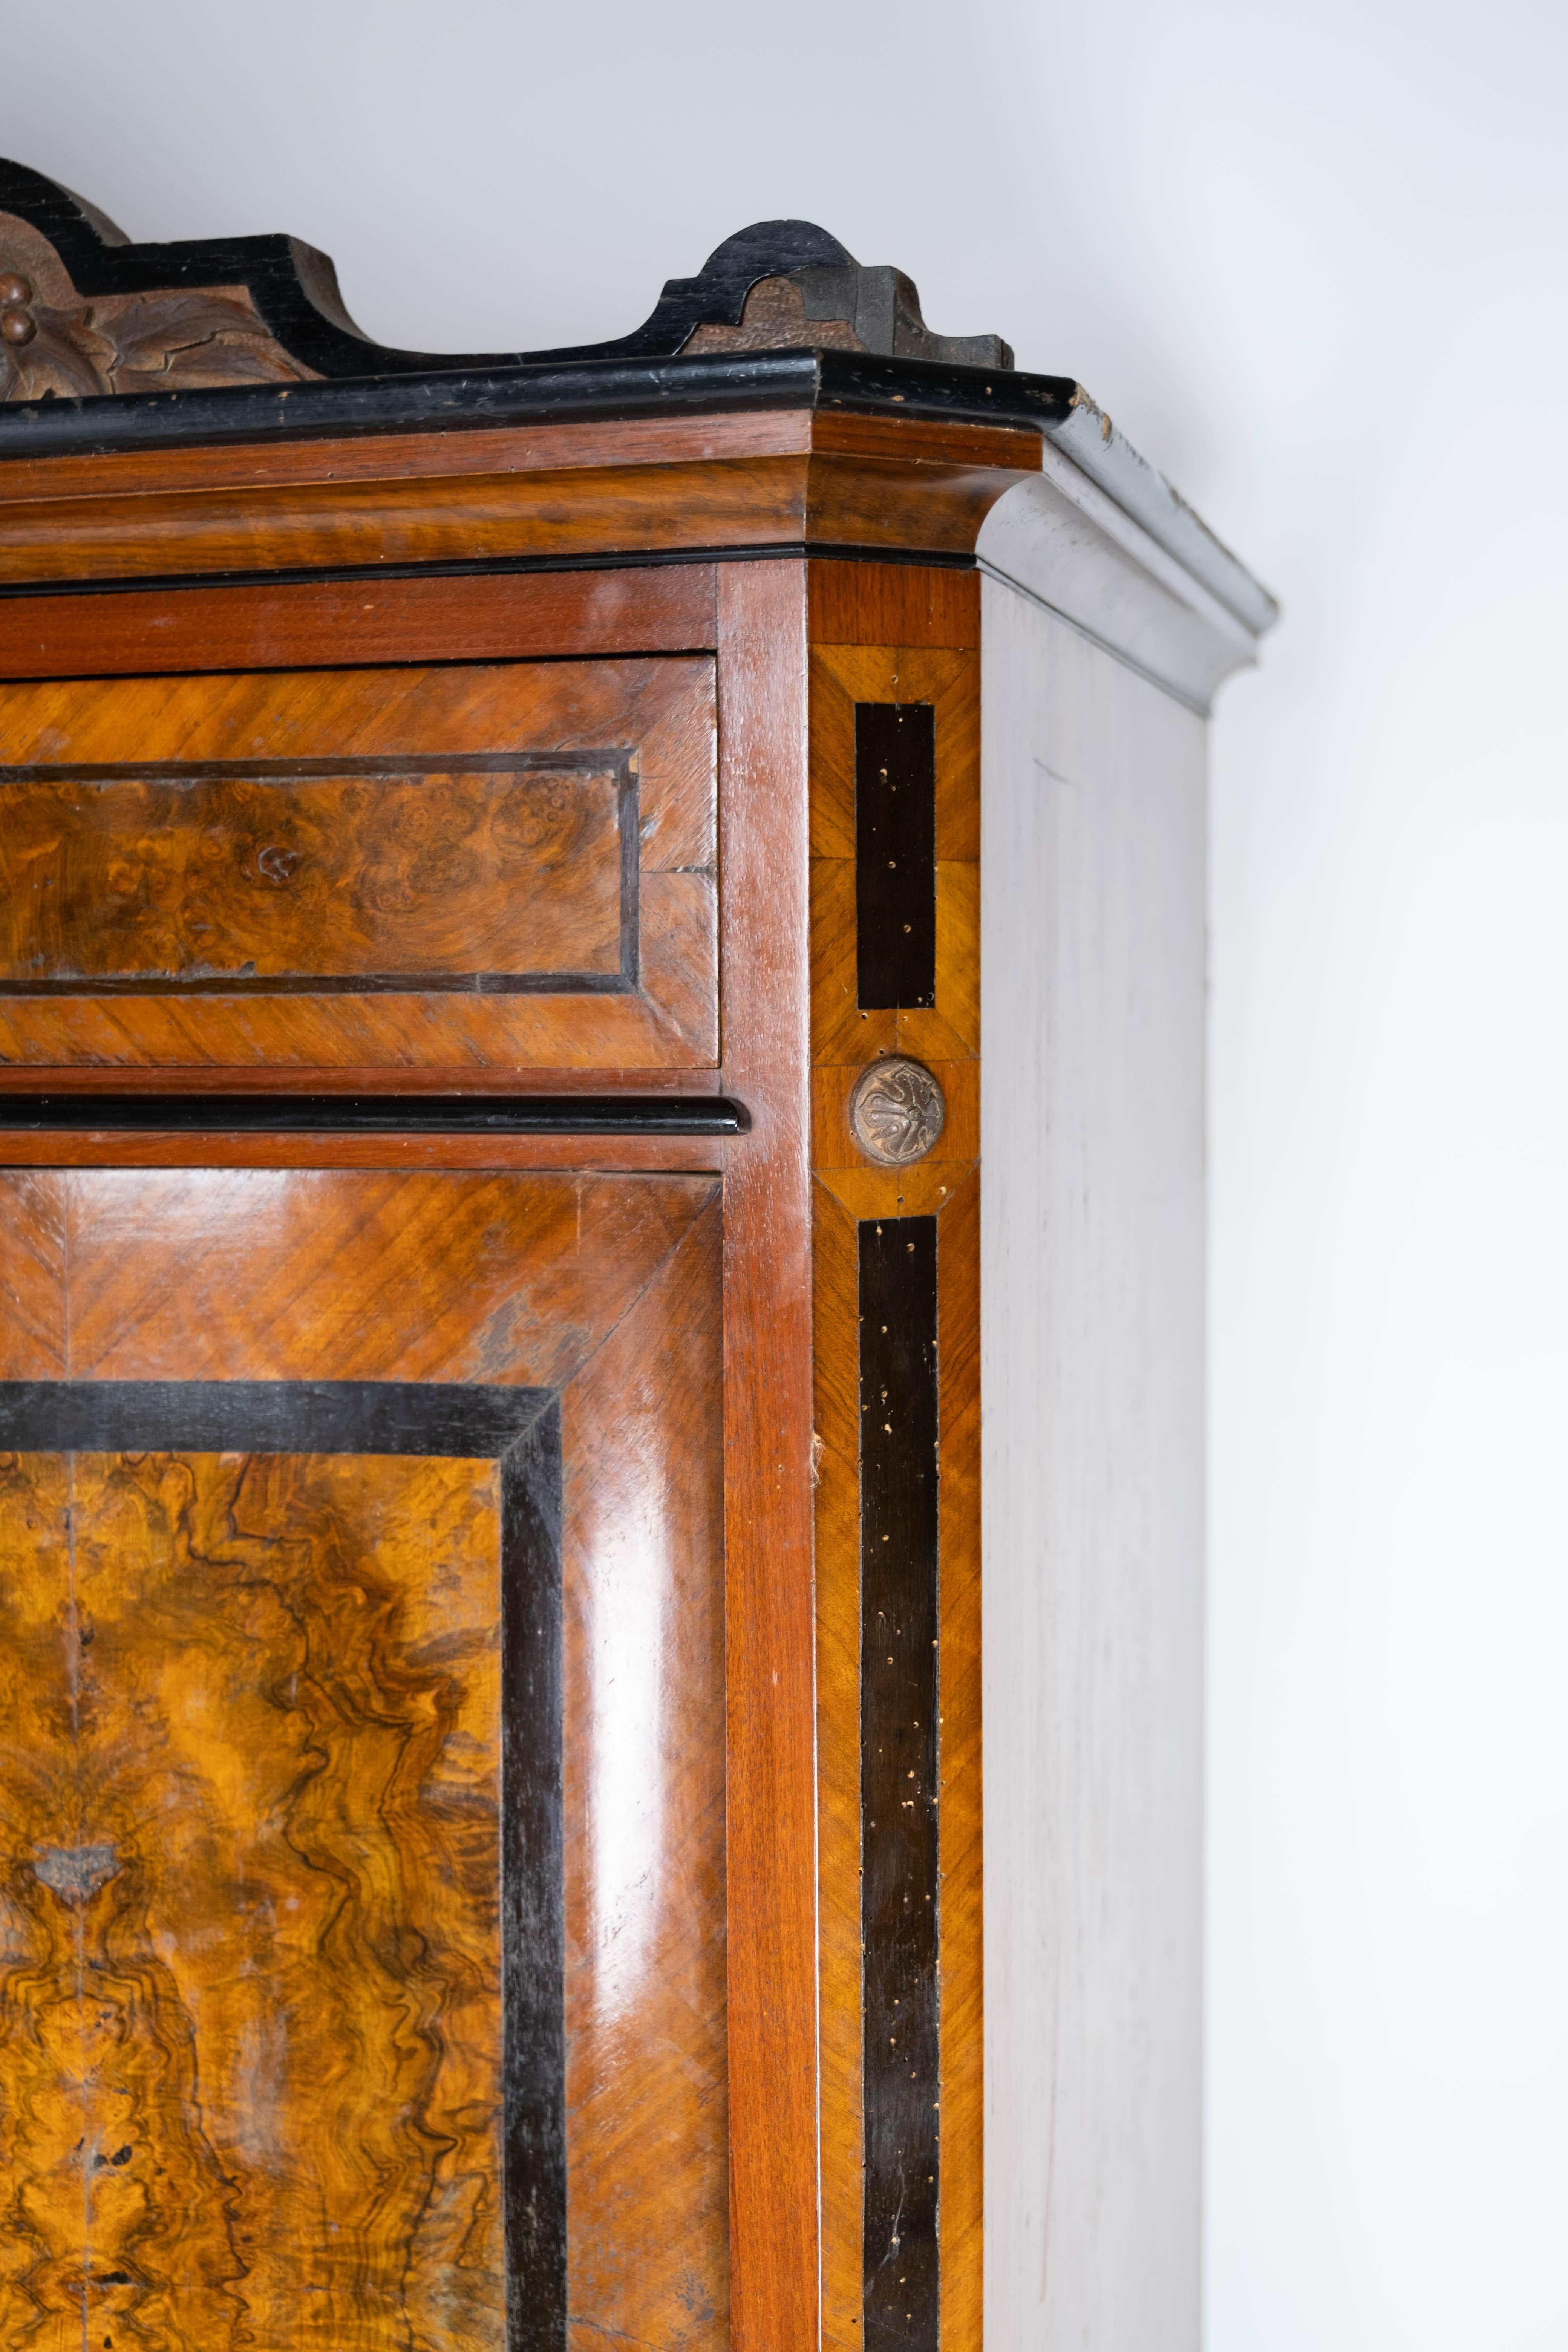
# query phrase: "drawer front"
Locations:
[[484, 866]]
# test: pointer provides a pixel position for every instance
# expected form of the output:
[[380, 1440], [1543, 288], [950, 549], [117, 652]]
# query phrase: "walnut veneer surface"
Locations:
[[252, 2009], [250, 815]]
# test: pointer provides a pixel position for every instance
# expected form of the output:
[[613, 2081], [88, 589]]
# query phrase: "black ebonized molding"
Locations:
[[941, 559], [458, 399], [899, 1696], [521, 1428], [419, 1417], [588, 1115], [368, 387], [534, 1939], [895, 856]]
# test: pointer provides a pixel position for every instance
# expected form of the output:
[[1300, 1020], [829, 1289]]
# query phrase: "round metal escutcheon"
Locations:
[[897, 1111]]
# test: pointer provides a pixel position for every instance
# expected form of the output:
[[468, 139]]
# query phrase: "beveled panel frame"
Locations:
[[517, 980], [654, 717], [520, 1430], [604, 1290]]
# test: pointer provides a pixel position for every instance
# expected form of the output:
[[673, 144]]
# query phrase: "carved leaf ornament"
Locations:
[[56, 343]]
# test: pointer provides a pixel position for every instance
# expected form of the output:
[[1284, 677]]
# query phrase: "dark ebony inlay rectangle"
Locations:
[[263, 1417], [521, 1428], [895, 856], [899, 1700], [533, 1936], [279, 1114]]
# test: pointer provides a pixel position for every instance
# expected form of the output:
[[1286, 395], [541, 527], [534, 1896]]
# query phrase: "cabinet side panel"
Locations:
[[1092, 1237]]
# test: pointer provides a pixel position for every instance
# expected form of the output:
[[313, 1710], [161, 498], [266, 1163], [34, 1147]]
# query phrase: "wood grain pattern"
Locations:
[[867, 604], [270, 1768], [842, 1033], [289, 1900], [936, 663], [647, 2078], [293, 624], [33, 1330], [546, 492], [923, 1190], [262, 876], [681, 1156], [962, 1945], [591, 445], [403, 868], [767, 1453]]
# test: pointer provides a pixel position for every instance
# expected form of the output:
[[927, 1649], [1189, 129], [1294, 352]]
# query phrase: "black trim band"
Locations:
[[586, 1115], [899, 1695], [640, 559], [407, 1417], [459, 399]]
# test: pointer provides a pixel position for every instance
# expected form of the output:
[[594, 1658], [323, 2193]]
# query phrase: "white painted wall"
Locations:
[[1312, 259]]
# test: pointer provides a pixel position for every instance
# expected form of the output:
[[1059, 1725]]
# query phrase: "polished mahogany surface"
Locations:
[[301, 624], [778, 479]]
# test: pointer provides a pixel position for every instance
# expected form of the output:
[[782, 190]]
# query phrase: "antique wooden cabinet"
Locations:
[[512, 869]]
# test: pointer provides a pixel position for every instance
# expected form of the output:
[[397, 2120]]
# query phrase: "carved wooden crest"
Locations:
[[56, 340], [84, 312]]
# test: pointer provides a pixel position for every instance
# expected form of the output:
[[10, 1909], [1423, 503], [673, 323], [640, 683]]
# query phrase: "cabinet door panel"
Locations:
[[483, 864], [361, 1763]]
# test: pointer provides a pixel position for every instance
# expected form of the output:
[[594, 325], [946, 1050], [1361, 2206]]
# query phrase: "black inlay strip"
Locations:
[[280, 774], [194, 1114], [263, 1417], [486, 567], [895, 855], [360, 983], [898, 1701], [534, 1962], [521, 1428]]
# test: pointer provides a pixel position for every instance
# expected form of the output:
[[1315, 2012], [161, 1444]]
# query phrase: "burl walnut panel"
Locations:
[[251, 2014], [473, 867], [252, 2030], [290, 878]]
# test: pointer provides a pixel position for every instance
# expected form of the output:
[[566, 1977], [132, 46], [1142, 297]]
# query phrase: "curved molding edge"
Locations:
[[1087, 437], [1062, 541]]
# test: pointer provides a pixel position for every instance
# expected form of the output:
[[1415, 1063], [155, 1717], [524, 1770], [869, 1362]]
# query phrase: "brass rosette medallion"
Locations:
[[897, 1111]]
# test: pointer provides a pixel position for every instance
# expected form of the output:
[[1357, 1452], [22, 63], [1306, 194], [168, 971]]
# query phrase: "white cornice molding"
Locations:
[[1061, 540]]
